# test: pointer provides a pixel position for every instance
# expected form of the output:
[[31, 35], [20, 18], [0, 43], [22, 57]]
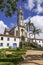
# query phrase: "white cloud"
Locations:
[[31, 3], [39, 1], [2, 27], [26, 20], [39, 8], [12, 24], [38, 22]]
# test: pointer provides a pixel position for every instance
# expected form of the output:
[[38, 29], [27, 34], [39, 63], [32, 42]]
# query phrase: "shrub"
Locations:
[[6, 63], [18, 49]]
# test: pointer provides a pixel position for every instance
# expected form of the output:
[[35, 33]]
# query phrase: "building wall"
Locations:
[[20, 32], [16, 29], [24, 32], [38, 41], [11, 41]]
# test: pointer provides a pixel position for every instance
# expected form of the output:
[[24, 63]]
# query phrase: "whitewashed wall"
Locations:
[[11, 41], [40, 43]]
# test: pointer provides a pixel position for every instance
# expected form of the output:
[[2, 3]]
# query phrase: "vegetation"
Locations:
[[6, 63], [35, 31], [12, 55], [29, 25], [9, 6], [22, 42], [32, 28]]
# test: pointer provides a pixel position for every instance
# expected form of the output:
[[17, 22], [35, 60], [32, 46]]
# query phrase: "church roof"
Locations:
[[9, 35], [6, 29], [13, 28]]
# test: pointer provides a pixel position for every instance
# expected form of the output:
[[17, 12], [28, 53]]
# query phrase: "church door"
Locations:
[[14, 45]]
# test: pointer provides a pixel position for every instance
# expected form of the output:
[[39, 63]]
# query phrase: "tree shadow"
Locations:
[[32, 63], [29, 59], [33, 57]]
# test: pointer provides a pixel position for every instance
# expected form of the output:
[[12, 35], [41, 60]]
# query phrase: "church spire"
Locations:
[[20, 16]]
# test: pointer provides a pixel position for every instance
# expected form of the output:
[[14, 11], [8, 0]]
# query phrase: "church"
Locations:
[[20, 29], [13, 37]]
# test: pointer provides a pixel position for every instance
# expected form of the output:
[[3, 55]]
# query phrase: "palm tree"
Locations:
[[29, 25], [35, 31]]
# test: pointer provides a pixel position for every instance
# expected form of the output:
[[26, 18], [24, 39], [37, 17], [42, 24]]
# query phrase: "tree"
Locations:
[[29, 25], [9, 6], [35, 31], [21, 44]]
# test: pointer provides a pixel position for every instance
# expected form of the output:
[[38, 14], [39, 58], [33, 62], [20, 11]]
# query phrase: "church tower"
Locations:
[[20, 17]]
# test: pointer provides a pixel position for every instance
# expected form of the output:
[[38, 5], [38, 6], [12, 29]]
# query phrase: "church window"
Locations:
[[1, 38], [14, 39], [7, 44], [7, 39], [16, 33], [1, 44], [39, 41]]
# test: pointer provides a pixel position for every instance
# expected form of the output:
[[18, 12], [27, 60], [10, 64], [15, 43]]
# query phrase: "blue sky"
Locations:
[[32, 9], [13, 20]]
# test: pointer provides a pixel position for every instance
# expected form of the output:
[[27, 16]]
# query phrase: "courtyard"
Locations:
[[33, 57]]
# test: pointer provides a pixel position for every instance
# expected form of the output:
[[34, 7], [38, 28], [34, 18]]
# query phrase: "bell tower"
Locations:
[[20, 17]]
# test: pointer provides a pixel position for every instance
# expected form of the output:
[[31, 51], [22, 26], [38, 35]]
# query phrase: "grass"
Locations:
[[6, 63]]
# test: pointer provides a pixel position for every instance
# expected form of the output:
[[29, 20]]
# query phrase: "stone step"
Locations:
[[32, 62]]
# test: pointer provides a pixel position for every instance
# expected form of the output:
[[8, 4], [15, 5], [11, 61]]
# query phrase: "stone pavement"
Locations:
[[33, 57]]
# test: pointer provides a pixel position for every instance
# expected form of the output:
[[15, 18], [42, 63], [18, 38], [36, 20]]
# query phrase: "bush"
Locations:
[[15, 57], [18, 49], [6, 63]]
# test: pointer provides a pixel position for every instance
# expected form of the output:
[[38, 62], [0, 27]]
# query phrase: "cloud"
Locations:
[[26, 20], [2, 27], [38, 22], [12, 25], [39, 1], [32, 3], [39, 8]]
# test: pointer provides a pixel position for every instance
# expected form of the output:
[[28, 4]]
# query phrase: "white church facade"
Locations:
[[12, 38]]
